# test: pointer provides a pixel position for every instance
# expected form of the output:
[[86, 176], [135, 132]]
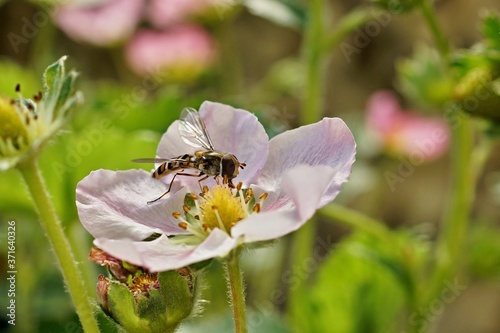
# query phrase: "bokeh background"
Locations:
[[142, 63]]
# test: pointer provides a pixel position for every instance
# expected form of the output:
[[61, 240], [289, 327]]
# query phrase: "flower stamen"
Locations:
[[256, 208], [219, 207]]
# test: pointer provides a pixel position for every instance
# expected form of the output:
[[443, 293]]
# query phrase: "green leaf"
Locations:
[[424, 78], [363, 287], [483, 256], [490, 28], [288, 13]]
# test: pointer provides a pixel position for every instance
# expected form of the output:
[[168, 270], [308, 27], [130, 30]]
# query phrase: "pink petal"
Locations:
[[328, 142], [233, 131], [267, 225], [188, 48], [162, 13], [102, 25], [309, 188], [162, 255], [405, 133], [114, 205], [421, 138], [383, 112]]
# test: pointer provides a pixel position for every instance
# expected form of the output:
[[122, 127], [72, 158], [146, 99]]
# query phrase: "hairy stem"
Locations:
[[237, 291], [53, 228]]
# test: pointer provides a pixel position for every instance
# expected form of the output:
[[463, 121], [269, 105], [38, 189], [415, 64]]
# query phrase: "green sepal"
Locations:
[[178, 293], [59, 95], [123, 310], [52, 82], [158, 310], [152, 309]]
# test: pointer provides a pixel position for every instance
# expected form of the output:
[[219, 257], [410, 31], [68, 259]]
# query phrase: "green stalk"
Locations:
[[312, 105], [437, 33], [468, 163], [347, 24], [52, 226], [237, 291], [356, 220]]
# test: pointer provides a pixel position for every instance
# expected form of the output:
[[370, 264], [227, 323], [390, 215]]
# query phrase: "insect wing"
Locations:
[[157, 160], [193, 130]]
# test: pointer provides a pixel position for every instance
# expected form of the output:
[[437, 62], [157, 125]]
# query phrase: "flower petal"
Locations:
[[113, 204], [101, 24], [383, 112], [309, 187], [181, 51], [267, 225], [328, 142], [162, 254], [233, 131]]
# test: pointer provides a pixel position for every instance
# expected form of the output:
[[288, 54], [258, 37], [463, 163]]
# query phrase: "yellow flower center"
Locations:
[[221, 207], [12, 126]]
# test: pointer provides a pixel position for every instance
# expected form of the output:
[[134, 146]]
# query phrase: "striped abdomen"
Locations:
[[185, 161]]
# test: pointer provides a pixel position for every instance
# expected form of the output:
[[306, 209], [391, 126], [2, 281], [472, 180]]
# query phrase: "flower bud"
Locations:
[[145, 302], [26, 125], [477, 93]]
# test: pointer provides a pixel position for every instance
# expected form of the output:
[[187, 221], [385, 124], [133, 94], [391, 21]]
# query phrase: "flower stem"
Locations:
[[356, 220], [313, 53], [468, 163], [52, 226], [314, 61], [430, 17], [235, 285], [347, 24]]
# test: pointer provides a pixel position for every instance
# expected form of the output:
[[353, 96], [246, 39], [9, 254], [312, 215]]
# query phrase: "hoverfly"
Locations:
[[207, 160]]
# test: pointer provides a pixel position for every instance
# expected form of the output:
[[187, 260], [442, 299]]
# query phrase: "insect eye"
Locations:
[[228, 166]]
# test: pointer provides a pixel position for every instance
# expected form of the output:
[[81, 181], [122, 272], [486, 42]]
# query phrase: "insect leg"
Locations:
[[202, 179], [172, 181]]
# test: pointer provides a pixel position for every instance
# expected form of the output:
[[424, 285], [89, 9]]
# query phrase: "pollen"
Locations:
[[12, 122], [221, 208]]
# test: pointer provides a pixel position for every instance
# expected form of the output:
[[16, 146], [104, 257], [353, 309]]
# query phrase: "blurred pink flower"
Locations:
[[405, 133], [181, 52], [103, 23], [285, 181], [162, 13]]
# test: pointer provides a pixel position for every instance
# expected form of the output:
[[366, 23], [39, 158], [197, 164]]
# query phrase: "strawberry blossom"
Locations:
[[405, 133], [286, 179]]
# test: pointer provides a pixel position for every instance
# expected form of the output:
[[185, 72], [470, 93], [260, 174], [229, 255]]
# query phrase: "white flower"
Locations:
[[284, 182]]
